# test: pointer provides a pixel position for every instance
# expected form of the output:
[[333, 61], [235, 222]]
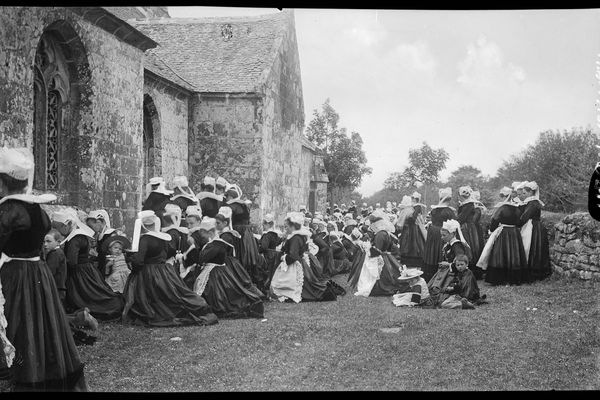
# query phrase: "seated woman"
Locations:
[[218, 280], [503, 257], [86, 286], [362, 247], [454, 242], [380, 271], [324, 255], [179, 243], [341, 262], [99, 221], [37, 350], [294, 279], [268, 243], [155, 295]]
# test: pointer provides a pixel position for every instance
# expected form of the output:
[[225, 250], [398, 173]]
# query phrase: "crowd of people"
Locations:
[[195, 258]]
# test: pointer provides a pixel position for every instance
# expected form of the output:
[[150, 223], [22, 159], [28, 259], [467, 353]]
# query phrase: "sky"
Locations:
[[480, 84]]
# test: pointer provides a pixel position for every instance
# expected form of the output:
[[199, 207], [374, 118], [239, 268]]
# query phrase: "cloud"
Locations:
[[414, 57], [484, 67]]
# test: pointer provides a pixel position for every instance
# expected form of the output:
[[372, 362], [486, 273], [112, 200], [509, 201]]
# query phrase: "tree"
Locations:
[[560, 163], [344, 158]]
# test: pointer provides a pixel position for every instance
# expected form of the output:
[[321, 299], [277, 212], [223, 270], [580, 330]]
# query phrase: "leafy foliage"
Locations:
[[560, 163], [344, 158]]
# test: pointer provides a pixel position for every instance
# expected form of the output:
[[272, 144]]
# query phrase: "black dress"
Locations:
[[267, 245], [101, 259], [433, 245], [228, 288], [178, 243], [86, 287], [156, 202], [539, 252], [324, 255], [388, 283], [314, 287], [46, 358], [507, 262], [468, 215], [249, 256], [412, 242], [182, 200], [156, 296], [341, 262], [351, 248]]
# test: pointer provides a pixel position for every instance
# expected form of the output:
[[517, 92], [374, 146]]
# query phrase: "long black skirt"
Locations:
[[471, 234], [46, 358], [539, 252], [412, 246], [327, 263], [251, 259], [507, 262], [272, 259], [315, 286], [87, 288], [229, 296], [354, 274], [388, 283], [156, 297], [432, 254]]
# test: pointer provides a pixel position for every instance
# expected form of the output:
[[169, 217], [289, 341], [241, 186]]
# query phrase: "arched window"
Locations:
[[51, 94]]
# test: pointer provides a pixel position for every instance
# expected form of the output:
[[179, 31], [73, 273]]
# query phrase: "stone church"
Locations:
[[107, 97]]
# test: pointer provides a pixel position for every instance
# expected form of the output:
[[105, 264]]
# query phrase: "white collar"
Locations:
[[418, 204], [531, 198], [177, 228], [30, 198], [163, 191], [159, 235], [209, 195], [106, 231], [506, 203], [277, 232], [301, 232], [218, 239], [469, 200], [442, 206], [232, 231], [75, 232], [185, 195]]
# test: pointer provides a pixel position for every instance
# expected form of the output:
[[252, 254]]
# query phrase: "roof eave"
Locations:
[[115, 26]]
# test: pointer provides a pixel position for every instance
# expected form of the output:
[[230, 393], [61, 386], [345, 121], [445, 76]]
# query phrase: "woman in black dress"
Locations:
[[86, 286], [222, 280], [155, 295], [249, 256], [433, 245], [179, 237], [99, 221], [412, 240], [294, 279], [468, 214], [37, 350], [158, 196], [503, 257], [268, 243], [324, 255], [534, 233]]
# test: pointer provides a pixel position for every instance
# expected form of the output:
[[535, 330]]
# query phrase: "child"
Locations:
[[116, 271], [417, 293], [463, 289], [56, 261]]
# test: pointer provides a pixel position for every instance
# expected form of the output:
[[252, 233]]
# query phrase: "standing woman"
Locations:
[[86, 286], [534, 233], [480, 210], [294, 279], [155, 295], [412, 240], [503, 257], [249, 256], [433, 245], [209, 200], [468, 214], [37, 350]]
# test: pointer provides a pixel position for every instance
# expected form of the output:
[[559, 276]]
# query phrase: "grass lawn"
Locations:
[[340, 346]]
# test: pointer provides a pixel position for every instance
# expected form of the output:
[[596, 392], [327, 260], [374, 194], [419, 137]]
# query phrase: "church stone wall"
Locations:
[[225, 140], [103, 149], [172, 106]]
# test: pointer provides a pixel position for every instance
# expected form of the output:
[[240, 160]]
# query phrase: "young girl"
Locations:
[[116, 271], [416, 292], [36, 342], [463, 289]]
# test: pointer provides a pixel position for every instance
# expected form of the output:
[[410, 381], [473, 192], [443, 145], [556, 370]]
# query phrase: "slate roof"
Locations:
[[159, 67], [216, 55]]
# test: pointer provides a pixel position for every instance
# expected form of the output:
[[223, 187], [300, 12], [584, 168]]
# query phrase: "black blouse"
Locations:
[[156, 202], [210, 207], [532, 210], [240, 214], [441, 214], [449, 252], [505, 214], [467, 213], [178, 242], [339, 251], [151, 250], [22, 229], [294, 248], [77, 251], [215, 252]]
